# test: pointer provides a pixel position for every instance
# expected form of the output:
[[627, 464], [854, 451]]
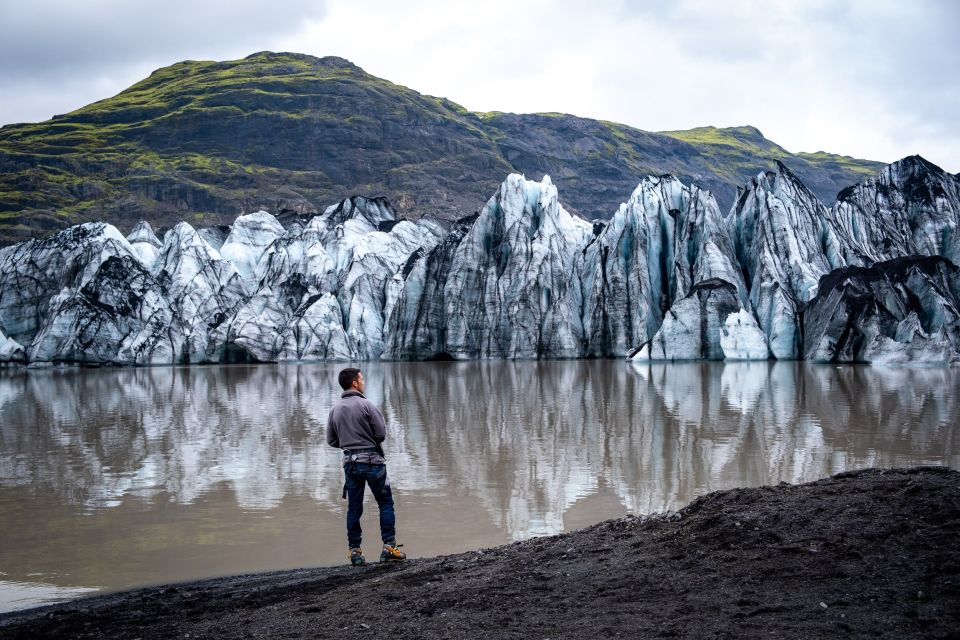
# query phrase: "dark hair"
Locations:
[[347, 376]]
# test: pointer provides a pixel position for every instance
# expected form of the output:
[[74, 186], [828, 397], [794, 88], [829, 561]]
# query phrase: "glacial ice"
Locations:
[[911, 208], [249, 237], [667, 277], [896, 311], [11, 350], [783, 244], [36, 272], [664, 241], [500, 286], [691, 329], [203, 291], [145, 244], [118, 316], [324, 287], [742, 339]]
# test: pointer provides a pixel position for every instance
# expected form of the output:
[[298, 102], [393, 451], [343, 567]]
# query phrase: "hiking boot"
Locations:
[[356, 557], [391, 553]]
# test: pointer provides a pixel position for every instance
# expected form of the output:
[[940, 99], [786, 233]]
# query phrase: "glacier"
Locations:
[[322, 290], [784, 244], [911, 208], [741, 338], [893, 312], [668, 277], [11, 351], [145, 243], [660, 245], [500, 286]]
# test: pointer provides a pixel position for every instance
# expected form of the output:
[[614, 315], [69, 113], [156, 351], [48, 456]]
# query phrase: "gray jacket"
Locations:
[[355, 423]]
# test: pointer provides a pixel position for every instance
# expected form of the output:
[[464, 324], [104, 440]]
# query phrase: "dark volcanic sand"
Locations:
[[865, 554]]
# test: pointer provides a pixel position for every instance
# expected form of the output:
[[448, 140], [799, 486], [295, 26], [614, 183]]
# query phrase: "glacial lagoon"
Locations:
[[117, 478]]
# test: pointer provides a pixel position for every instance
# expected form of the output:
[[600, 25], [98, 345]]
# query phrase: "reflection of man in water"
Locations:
[[356, 426]]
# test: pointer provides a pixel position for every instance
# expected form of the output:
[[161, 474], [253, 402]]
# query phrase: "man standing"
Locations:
[[356, 426]]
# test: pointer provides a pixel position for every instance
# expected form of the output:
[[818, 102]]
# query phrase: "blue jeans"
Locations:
[[359, 475]]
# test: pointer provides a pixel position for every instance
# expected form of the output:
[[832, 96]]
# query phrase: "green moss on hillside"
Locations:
[[747, 139], [846, 163]]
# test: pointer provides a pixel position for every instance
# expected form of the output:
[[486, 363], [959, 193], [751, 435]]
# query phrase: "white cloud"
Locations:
[[60, 55], [47, 37]]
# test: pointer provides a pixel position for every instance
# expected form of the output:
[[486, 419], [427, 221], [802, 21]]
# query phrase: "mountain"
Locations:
[[668, 277], [207, 142]]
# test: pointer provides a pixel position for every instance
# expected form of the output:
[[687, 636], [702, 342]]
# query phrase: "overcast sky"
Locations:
[[867, 78]]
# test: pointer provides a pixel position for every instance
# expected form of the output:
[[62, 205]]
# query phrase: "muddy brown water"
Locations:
[[116, 478]]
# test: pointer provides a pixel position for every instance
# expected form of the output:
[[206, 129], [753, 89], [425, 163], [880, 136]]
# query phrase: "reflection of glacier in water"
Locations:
[[528, 439], [117, 478]]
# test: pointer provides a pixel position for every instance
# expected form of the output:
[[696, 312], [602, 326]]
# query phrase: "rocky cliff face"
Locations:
[[667, 277]]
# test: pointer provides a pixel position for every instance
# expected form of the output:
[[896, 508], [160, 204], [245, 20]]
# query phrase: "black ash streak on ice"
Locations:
[[668, 277]]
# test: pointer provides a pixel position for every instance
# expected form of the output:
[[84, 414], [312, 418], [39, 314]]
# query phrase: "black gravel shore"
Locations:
[[868, 554]]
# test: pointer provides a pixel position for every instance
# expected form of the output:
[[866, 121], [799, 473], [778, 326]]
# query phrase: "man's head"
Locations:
[[351, 378]]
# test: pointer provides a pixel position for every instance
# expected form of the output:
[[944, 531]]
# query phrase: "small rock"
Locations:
[[823, 604]]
